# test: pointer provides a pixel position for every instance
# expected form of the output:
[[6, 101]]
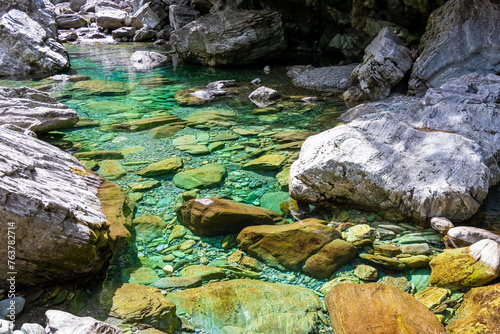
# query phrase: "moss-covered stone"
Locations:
[[138, 304], [166, 166]]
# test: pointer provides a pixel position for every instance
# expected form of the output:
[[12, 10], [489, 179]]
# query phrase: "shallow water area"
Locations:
[[106, 90]]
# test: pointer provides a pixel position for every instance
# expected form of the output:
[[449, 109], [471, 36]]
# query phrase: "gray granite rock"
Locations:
[[436, 158], [324, 79], [180, 15], [230, 37], [26, 48], [461, 37], [50, 200], [59, 322], [34, 110], [385, 63]]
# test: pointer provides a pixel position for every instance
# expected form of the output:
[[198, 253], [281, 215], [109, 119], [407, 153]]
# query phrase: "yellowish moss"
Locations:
[[79, 171]]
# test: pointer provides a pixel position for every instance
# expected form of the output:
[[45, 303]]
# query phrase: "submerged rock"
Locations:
[[147, 60], [385, 63], [213, 217], [50, 200], [290, 245], [455, 43], [230, 37], [202, 177], [27, 49], [166, 166], [408, 161], [248, 306], [212, 118], [34, 110], [148, 123], [378, 309], [118, 209]]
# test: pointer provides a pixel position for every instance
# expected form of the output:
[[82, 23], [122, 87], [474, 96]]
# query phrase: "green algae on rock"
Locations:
[[102, 88], [478, 313], [247, 306], [134, 303], [165, 166], [461, 268], [202, 177]]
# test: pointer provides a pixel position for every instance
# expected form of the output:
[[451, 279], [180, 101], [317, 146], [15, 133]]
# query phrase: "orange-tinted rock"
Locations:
[[478, 313], [378, 309], [212, 216], [286, 246], [330, 258], [118, 210]]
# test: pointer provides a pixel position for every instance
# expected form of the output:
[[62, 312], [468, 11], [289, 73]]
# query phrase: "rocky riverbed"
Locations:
[[159, 196]]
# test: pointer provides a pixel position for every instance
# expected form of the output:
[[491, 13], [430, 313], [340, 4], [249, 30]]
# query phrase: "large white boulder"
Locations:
[[419, 160], [48, 202]]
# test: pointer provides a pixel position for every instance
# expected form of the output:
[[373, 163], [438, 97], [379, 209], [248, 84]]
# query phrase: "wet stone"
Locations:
[[266, 162], [144, 185], [432, 297], [366, 273], [99, 155], [205, 176], [142, 275], [400, 283], [183, 282], [416, 249], [383, 261], [166, 166], [165, 131], [206, 273], [111, 169], [417, 261], [387, 250], [195, 149]]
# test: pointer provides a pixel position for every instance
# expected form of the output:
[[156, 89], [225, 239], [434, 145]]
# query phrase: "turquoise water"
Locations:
[[117, 93], [114, 93]]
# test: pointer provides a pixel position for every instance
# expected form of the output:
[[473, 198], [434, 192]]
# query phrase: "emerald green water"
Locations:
[[114, 93], [117, 93]]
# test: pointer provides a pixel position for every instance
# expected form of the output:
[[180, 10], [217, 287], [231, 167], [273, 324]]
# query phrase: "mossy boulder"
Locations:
[[165, 166], [461, 268], [248, 306], [138, 304], [203, 177]]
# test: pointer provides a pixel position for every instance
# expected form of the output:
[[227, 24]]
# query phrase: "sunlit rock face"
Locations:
[[26, 49], [34, 110], [461, 38], [420, 160], [49, 202]]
